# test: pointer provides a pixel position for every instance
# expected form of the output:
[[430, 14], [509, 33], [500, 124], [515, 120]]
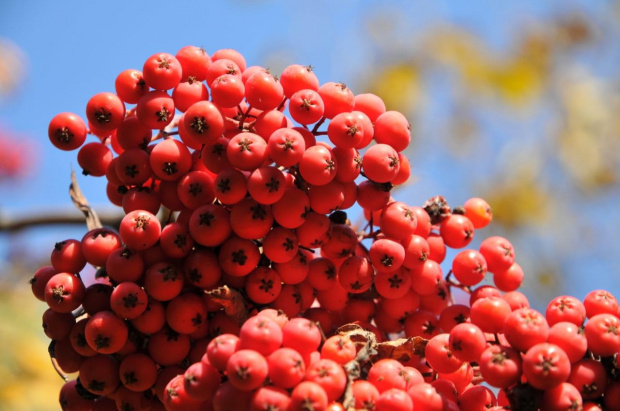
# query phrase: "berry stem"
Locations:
[[243, 117], [317, 125], [281, 105]]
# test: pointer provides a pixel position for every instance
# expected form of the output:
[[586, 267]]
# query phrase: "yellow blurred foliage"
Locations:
[[519, 200], [589, 136], [517, 78], [546, 278], [29, 381], [461, 50], [398, 86], [517, 81]]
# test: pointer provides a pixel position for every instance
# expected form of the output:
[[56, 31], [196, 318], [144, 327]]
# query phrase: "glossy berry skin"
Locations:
[[386, 255], [301, 334], [298, 77], [140, 230], [99, 374], [318, 165], [64, 292], [478, 211], [286, 147], [170, 160], [163, 281], [469, 267], [498, 253], [439, 354], [501, 366], [123, 264], [524, 328], [546, 366], [398, 221], [130, 86], [105, 111], [490, 313], [380, 163], [426, 397], [194, 61], [39, 281], [128, 300], [67, 256], [94, 159], [476, 398], [246, 151], [370, 104], [57, 326], [247, 369], [393, 285], [337, 97], [189, 92], [306, 106], [457, 231], [392, 128], [227, 90], [162, 71], [589, 377], [509, 279], [599, 302], [98, 244], [106, 333], [155, 109], [329, 375], [346, 130], [138, 372], [565, 308], [467, 342], [603, 334], [386, 374], [394, 399], [261, 334], [263, 91], [563, 396], [67, 131], [204, 121], [266, 185], [570, 338]]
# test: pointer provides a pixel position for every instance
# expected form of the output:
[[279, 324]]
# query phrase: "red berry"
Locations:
[[67, 131], [105, 111], [162, 71]]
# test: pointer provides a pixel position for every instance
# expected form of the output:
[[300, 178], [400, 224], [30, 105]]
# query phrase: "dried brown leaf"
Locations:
[[402, 349], [232, 301]]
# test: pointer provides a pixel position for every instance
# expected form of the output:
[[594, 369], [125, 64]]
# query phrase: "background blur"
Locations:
[[516, 102]]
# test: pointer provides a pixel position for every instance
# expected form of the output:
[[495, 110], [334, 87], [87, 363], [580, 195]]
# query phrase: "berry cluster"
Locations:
[[235, 280]]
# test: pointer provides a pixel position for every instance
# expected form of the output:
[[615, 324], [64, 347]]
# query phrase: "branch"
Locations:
[[46, 218]]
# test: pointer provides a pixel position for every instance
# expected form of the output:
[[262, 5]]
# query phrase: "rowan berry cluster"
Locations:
[[235, 280]]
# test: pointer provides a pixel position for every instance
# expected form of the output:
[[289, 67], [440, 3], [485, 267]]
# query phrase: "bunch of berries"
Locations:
[[235, 280]]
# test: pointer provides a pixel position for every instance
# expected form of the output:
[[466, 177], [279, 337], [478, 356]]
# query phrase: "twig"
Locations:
[[80, 202], [318, 124], [46, 219]]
